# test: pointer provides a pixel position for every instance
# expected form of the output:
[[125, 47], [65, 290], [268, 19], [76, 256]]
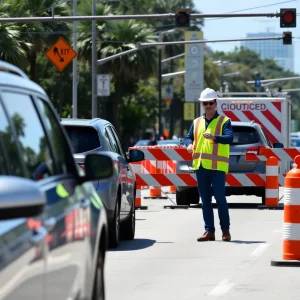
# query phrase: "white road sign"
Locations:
[[194, 67], [168, 91], [103, 85]]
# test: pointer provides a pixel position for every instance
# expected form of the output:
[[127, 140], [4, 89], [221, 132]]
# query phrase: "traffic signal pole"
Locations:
[[286, 21], [131, 17]]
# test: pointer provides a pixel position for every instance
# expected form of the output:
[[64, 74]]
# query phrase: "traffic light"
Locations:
[[287, 38], [182, 17], [288, 17]]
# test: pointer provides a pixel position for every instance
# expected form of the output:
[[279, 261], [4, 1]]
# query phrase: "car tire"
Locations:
[[128, 226], [263, 200], [193, 195], [114, 228], [182, 197], [99, 284]]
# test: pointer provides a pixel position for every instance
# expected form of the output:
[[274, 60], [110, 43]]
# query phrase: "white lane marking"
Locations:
[[278, 230], [222, 288], [259, 250]]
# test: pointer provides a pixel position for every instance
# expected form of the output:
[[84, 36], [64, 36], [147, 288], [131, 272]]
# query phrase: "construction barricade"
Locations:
[[180, 153], [291, 221], [272, 157]]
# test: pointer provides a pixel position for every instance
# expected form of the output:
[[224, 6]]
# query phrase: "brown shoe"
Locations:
[[206, 236], [226, 237]]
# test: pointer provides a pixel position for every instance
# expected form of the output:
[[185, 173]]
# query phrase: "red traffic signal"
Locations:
[[287, 38], [288, 17]]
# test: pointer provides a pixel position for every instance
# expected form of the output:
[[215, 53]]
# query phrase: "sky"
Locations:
[[235, 28]]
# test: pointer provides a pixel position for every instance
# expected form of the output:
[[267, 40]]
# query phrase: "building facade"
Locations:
[[274, 49]]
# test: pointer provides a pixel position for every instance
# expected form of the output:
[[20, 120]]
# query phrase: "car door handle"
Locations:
[[38, 236], [50, 223], [85, 203]]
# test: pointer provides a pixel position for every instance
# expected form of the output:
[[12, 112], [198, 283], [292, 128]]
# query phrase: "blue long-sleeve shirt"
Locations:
[[225, 138]]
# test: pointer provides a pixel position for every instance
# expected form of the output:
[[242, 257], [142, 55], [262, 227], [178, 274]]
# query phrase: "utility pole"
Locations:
[[159, 86], [74, 114], [94, 63]]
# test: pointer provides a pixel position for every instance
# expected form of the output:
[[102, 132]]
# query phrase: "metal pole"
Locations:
[[94, 62], [221, 76], [159, 87], [133, 17], [60, 95], [75, 62]]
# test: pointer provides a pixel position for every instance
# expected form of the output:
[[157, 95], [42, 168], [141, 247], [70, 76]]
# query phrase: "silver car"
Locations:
[[118, 193], [53, 226], [245, 135]]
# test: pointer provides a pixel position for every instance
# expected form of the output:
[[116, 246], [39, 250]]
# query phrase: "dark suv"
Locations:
[[245, 135], [118, 193]]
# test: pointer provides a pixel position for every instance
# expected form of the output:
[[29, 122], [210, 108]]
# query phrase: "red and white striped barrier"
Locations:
[[262, 154]]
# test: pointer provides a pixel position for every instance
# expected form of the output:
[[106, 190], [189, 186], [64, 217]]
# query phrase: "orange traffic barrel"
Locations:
[[291, 219]]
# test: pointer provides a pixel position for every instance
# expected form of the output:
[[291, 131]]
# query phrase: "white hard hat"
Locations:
[[208, 95]]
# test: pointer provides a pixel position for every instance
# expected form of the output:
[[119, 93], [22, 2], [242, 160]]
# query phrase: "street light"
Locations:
[[221, 63], [160, 34]]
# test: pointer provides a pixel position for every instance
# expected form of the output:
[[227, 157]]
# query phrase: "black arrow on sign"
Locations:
[[55, 51]]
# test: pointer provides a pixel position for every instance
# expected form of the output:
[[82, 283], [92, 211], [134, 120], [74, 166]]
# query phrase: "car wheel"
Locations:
[[263, 200], [114, 236], [128, 226], [193, 195], [182, 197], [99, 286]]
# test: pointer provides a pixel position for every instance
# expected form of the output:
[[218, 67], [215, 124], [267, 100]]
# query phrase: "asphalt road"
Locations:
[[166, 262]]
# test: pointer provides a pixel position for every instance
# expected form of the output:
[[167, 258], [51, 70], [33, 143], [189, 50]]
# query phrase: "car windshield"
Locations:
[[168, 142], [142, 143], [295, 142], [83, 139], [244, 135]]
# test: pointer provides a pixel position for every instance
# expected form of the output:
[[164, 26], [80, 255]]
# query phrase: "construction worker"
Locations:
[[208, 140]]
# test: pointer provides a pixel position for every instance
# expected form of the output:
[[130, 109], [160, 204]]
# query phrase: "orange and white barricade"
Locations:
[[291, 221], [272, 185], [174, 179]]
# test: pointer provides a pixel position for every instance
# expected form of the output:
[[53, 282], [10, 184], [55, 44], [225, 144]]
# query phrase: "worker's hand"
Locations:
[[190, 148], [209, 136]]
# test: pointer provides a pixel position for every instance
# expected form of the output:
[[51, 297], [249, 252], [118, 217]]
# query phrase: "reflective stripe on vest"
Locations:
[[214, 156]]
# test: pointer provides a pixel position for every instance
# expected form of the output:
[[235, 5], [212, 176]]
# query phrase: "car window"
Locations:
[[55, 135], [83, 138], [244, 135], [9, 147], [108, 138], [112, 140], [30, 134], [295, 142], [266, 137], [3, 165], [120, 146]]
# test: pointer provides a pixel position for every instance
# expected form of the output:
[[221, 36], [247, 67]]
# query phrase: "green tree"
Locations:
[[124, 36]]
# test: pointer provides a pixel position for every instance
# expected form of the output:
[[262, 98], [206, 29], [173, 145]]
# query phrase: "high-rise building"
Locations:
[[282, 54]]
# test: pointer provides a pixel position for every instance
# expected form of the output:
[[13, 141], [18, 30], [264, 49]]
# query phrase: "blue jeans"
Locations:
[[215, 179]]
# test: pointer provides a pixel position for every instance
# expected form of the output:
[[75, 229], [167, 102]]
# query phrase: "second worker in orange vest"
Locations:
[[209, 141]]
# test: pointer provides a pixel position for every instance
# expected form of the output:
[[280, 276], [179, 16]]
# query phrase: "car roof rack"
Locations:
[[9, 68]]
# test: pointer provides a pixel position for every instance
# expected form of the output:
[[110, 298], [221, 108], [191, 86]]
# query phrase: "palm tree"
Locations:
[[12, 48], [122, 36], [35, 36], [84, 40]]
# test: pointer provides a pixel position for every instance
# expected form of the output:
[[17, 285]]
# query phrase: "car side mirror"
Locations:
[[278, 145], [136, 155], [98, 166], [20, 198]]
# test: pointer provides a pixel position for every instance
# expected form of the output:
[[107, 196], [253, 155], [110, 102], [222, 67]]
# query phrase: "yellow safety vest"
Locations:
[[210, 155]]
